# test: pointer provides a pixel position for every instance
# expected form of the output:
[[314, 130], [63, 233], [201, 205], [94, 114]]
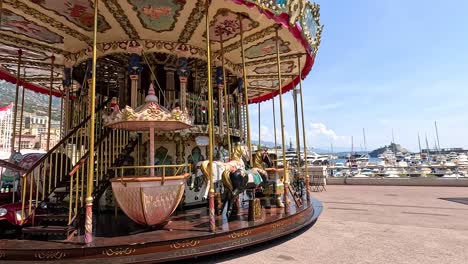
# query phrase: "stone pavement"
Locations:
[[372, 224]]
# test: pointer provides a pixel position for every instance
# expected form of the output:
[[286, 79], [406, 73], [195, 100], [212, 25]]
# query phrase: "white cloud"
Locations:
[[319, 135], [267, 135]]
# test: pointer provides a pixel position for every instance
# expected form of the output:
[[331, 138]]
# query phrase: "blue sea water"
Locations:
[[372, 160]]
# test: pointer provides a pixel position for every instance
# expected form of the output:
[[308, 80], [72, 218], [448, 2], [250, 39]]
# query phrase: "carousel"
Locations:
[[153, 160]]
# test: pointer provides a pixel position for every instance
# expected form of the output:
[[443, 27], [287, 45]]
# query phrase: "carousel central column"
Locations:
[[183, 73], [170, 86], [283, 144], [92, 106], [210, 119], [134, 70]]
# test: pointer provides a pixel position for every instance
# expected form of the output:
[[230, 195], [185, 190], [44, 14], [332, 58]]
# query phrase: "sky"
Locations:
[[383, 65]]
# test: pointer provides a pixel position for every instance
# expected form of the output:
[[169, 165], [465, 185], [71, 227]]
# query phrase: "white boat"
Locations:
[[452, 175], [391, 173], [462, 160], [367, 172], [360, 175], [339, 165], [402, 164]]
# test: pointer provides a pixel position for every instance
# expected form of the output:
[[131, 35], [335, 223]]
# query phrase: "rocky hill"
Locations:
[[33, 102], [393, 147]]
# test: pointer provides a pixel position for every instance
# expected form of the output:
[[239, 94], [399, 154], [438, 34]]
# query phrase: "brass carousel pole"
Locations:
[[259, 128], [226, 99], [49, 114], [210, 120], [15, 114], [307, 180], [274, 128], [22, 112], [296, 122], [92, 106], [246, 89], [283, 144]]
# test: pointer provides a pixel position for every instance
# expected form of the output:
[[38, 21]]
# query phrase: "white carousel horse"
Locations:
[[240, 153]]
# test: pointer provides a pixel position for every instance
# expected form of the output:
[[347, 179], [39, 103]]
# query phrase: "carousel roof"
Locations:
[[63, 29]]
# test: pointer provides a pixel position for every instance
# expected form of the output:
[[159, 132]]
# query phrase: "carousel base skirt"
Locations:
[[185, 236]]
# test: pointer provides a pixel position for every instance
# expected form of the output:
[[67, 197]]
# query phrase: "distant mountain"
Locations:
[[393, 147], [33, 102]]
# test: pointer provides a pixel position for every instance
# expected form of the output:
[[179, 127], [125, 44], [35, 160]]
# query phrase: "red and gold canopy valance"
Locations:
[[63, 29]]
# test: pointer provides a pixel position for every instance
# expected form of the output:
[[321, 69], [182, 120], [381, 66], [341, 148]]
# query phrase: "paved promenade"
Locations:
[[373, 224]]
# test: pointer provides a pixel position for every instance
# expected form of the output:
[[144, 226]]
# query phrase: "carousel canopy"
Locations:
[[43, 29]]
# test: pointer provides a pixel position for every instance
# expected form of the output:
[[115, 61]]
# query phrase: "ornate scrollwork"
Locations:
[[239, 234], [38, 15], [119, 14], [2, 255], [198, 13], [295, 7], [239, 242], [251, 38], [185, 244], [310, 23], [50, 255], [278, 224], [269, 60], [277, 6], [118, 251], [185, 252], [30, 44]]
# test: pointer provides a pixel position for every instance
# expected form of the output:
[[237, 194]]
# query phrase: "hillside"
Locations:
[[33, 102], [393, 147]]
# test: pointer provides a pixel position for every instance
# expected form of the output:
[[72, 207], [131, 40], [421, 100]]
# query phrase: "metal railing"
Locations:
[[107, 149], [162, 170], [52, 169]]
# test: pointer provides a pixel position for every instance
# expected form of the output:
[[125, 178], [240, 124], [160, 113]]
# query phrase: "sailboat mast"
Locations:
[[365, 144], [427, 146], [419, 143], [332, 153], [437, 135], [393, 142], [352, 145]]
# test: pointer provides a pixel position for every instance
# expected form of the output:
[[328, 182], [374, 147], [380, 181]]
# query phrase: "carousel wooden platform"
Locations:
[[119, 240]]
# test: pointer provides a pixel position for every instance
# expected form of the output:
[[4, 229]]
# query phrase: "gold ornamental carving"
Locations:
[[118, 251], [240, 242], [50, 255], [185, 244], [235, 235], [278, 225]]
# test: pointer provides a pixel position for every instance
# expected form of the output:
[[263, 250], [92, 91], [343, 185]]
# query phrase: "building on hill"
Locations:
[[6, 117]]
